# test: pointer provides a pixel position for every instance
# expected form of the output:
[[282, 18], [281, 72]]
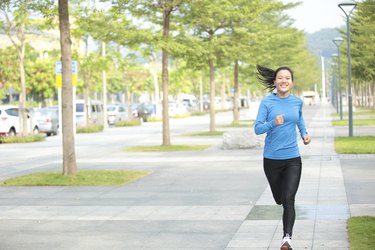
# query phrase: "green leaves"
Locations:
[[363, 40]]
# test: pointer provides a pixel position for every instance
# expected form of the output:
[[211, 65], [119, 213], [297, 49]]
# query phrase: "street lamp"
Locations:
[[348, 8], [338, 41]]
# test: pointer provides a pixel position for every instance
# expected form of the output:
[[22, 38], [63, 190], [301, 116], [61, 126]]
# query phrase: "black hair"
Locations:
[[267, 76]]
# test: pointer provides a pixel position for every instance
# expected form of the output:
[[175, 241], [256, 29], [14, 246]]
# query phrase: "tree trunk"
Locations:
[[20, 48], [236, 113], [23, 87], [104, 87], [166, 22], [222, 92], [127, 95], [212, 95], [86, 90], [69, 156], [201, 93]]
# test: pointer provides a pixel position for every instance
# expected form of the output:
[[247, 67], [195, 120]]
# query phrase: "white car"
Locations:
[[116, 113], [94, 113], [10, 122]]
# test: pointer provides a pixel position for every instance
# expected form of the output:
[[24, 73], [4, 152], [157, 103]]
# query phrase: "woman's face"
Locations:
[[283, 82]]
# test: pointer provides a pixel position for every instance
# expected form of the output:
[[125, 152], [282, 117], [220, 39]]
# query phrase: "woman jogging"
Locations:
[[279, 114]]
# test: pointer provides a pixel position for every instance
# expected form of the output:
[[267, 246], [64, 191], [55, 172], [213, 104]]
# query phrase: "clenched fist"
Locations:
[[306, 140], [279, 119]]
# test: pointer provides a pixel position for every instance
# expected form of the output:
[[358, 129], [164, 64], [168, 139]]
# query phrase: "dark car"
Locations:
[[145, 110]]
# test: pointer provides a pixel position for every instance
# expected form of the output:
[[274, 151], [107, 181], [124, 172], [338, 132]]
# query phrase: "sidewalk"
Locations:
[[215, 199]]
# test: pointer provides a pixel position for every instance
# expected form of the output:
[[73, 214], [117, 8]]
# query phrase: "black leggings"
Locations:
[[284, 177]]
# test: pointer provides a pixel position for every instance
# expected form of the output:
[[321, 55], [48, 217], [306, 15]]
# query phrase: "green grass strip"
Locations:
[[163, 148], [90, 129], [361, 232], [207, 133], [155, 119], [366, 122], [355, 144], [364, 112], [128, 123], [82, 178], [180, 116], [22, 139], [199, 113]]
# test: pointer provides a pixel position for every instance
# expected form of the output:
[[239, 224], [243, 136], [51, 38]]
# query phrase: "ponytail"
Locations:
[[267, 76]]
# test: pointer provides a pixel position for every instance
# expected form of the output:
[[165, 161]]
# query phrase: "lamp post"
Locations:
[[348, 8], [338, 41], [334, 85]]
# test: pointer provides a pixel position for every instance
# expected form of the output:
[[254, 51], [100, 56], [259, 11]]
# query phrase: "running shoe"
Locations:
[[286, 244]]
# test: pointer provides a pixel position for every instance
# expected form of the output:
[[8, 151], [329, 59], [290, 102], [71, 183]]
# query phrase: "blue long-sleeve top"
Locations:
[[281, 140]]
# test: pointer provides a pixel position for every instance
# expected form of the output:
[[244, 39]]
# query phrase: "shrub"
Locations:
[[128, 123], [22, 139], [90, 129]]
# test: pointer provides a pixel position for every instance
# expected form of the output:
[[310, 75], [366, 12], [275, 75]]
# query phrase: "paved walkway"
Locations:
[[213, 199]]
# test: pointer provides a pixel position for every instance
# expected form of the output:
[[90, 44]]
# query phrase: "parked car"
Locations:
[[145, 110], [10, 121], [48, 120], [177, 108], [94, 111], [116, 113]]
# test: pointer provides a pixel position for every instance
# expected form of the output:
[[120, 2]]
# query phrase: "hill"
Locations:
[[320, 42]]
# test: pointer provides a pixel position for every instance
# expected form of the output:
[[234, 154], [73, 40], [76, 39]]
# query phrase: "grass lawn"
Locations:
[[366, 122], [355, 144], [167, 148], [361, 232], [83, 178]]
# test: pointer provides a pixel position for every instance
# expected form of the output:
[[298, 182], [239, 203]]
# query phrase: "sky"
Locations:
[[313, 15]]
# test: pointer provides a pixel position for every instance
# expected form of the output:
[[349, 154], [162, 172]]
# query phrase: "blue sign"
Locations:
[[58, 67], [74, 67]]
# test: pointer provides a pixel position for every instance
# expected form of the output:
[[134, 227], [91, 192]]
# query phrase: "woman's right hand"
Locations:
[[279, 120]]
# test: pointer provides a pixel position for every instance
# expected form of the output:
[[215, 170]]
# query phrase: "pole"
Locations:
[[339, 77], [350, 100], [334, 92], [324, 95]]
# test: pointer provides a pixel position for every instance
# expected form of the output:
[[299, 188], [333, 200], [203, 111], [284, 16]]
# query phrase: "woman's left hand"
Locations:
[[306, 140]]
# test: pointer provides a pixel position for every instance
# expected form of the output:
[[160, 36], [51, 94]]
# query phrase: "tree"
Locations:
[[362, 50], [41, 81], [209, 22], [158, 13], [15, 26], [69, 155], [8, 71], [21, 18], [244, 34]]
